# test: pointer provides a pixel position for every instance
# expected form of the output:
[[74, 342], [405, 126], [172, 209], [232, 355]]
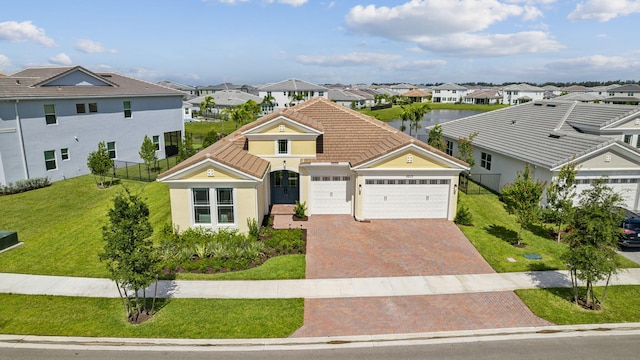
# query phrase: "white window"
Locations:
[[485, 161], [80, 109], [111, 148], [156, 142], [449, 149], [64, 154], [127, 108], [627, 139], [283, 147], [204, 207], [93, 107], [50, 114], [50, 160]]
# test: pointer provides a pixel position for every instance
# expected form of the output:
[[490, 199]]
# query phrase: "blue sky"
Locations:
[[204, 42]]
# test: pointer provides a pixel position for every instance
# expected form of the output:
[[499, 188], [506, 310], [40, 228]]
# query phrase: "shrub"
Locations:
[[463, 216], [24, 185], [254, 231], [300, 210], [286, 241]]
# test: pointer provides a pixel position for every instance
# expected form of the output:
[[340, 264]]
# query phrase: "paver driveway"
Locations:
[[339, 247]]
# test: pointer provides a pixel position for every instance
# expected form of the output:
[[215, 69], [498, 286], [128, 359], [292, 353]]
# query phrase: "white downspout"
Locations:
[[22, 149]]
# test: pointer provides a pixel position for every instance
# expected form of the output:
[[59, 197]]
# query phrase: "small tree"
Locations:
[[185, 148], [414, 113], [522, 199], [129, 254], [100, 163], [147, 152], [435, 137], [591, 255], [210, 138], [465, 149], [560, 195]]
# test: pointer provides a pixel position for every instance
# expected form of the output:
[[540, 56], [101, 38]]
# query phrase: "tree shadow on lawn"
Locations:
[[501, 232], [541, 230]]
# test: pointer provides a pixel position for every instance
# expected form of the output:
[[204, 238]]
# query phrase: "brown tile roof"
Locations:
[[348, 136], [416, 93], [28, 84]]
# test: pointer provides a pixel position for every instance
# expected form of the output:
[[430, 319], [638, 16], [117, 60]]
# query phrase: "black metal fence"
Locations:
[[472, 184], [139, 171]]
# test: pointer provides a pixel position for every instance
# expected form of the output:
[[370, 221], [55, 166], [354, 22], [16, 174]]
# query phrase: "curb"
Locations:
[[311, 343]]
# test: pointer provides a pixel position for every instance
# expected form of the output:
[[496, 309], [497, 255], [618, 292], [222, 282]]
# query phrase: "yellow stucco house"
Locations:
[[335, 159]]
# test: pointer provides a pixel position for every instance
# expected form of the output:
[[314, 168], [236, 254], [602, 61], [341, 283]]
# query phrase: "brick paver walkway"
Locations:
[[339, 247]]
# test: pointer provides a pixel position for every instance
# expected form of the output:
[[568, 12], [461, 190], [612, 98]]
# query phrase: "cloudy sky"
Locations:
[[202, 42]]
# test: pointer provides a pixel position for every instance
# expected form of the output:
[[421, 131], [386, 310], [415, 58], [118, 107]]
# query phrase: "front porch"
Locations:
[[283, 217]]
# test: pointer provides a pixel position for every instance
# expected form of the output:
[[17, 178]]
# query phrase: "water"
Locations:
[[434, 117]]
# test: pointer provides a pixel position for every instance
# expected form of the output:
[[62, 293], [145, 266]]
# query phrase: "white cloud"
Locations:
[[417, 65], [61, 59], [294, 3], [230, 1], [91, 47], [25, 31], [596, 63], [452, 27], [350, 59], [5, 62], [604, 10]]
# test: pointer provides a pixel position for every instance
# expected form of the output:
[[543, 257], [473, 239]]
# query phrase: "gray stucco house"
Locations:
[[51, 118], [603, 140]]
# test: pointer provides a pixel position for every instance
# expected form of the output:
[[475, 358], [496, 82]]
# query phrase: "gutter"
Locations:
[[21, 139]]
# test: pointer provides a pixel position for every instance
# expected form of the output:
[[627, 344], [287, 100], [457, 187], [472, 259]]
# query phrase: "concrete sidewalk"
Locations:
[[308, 288]]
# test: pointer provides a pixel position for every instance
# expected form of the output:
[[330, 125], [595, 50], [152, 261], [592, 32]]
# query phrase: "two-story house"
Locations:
[[448, 93], [288, 93], [51, 118], [626, 94], [335, 159], [521, 93]]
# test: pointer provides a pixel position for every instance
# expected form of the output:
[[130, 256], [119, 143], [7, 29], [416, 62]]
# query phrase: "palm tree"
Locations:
[[296, 98], [413, 113], [207, 105], [268, 101]]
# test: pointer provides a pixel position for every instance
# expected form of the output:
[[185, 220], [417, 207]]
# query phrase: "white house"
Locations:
[[51, 118], [448, 93], [521, 93], [285, 93], [603, 140], [625, 94]]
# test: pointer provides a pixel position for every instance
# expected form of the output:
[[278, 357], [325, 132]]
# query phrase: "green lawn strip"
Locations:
[[556, 306], [280, 267], [493, 228], [176, 318], [199, 129], [61, 225], [395, 111]]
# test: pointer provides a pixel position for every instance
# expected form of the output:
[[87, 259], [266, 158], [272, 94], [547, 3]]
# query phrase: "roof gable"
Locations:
[[411, 156], [293, 85], [76, 77], [282, 125]]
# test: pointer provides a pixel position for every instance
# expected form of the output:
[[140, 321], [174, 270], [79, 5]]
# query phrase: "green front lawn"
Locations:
[[176, 318], [556, 306], [199, 129], [494, 230]]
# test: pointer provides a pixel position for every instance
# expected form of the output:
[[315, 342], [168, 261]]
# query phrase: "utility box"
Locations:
[[8, 239]]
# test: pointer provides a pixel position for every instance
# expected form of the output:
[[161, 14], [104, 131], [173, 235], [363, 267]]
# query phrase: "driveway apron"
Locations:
[[339, 247]]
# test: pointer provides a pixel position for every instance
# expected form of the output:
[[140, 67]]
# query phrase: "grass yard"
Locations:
[[395, 111], [177, 318], [494, 229], [61, 225], [199, 129], [556, 305]]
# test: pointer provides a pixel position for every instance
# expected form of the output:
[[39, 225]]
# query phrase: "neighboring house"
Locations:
[[346, 98], [580, 97], [449, 93], [226, 99], [417, 96], [551, 91], [51, 118], [369, 96], [521, 93], [335, 159], [211, 89], [190, 91], [483, 97], [625, 94], [603, 140], [285, 92], [187, 111], [402, 88]]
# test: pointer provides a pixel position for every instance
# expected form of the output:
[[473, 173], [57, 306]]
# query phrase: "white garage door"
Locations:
[[330, 195], [626, 188], [406, 199]]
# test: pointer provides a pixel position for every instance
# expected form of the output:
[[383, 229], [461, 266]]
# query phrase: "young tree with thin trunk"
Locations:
[[100, 163], [435, 137], [147, 152], [129, 254], [561, 193], [591, 255], [522, 199], [465, 149]]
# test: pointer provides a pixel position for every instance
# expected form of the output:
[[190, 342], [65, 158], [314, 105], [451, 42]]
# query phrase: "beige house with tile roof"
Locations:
[[335, 159]]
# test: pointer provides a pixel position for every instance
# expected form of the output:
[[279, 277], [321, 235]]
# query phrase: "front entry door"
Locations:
[[285, 187]]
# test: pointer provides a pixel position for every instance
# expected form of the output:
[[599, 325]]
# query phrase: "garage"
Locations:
[[406, 198], [626, 188], [330, 194]]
